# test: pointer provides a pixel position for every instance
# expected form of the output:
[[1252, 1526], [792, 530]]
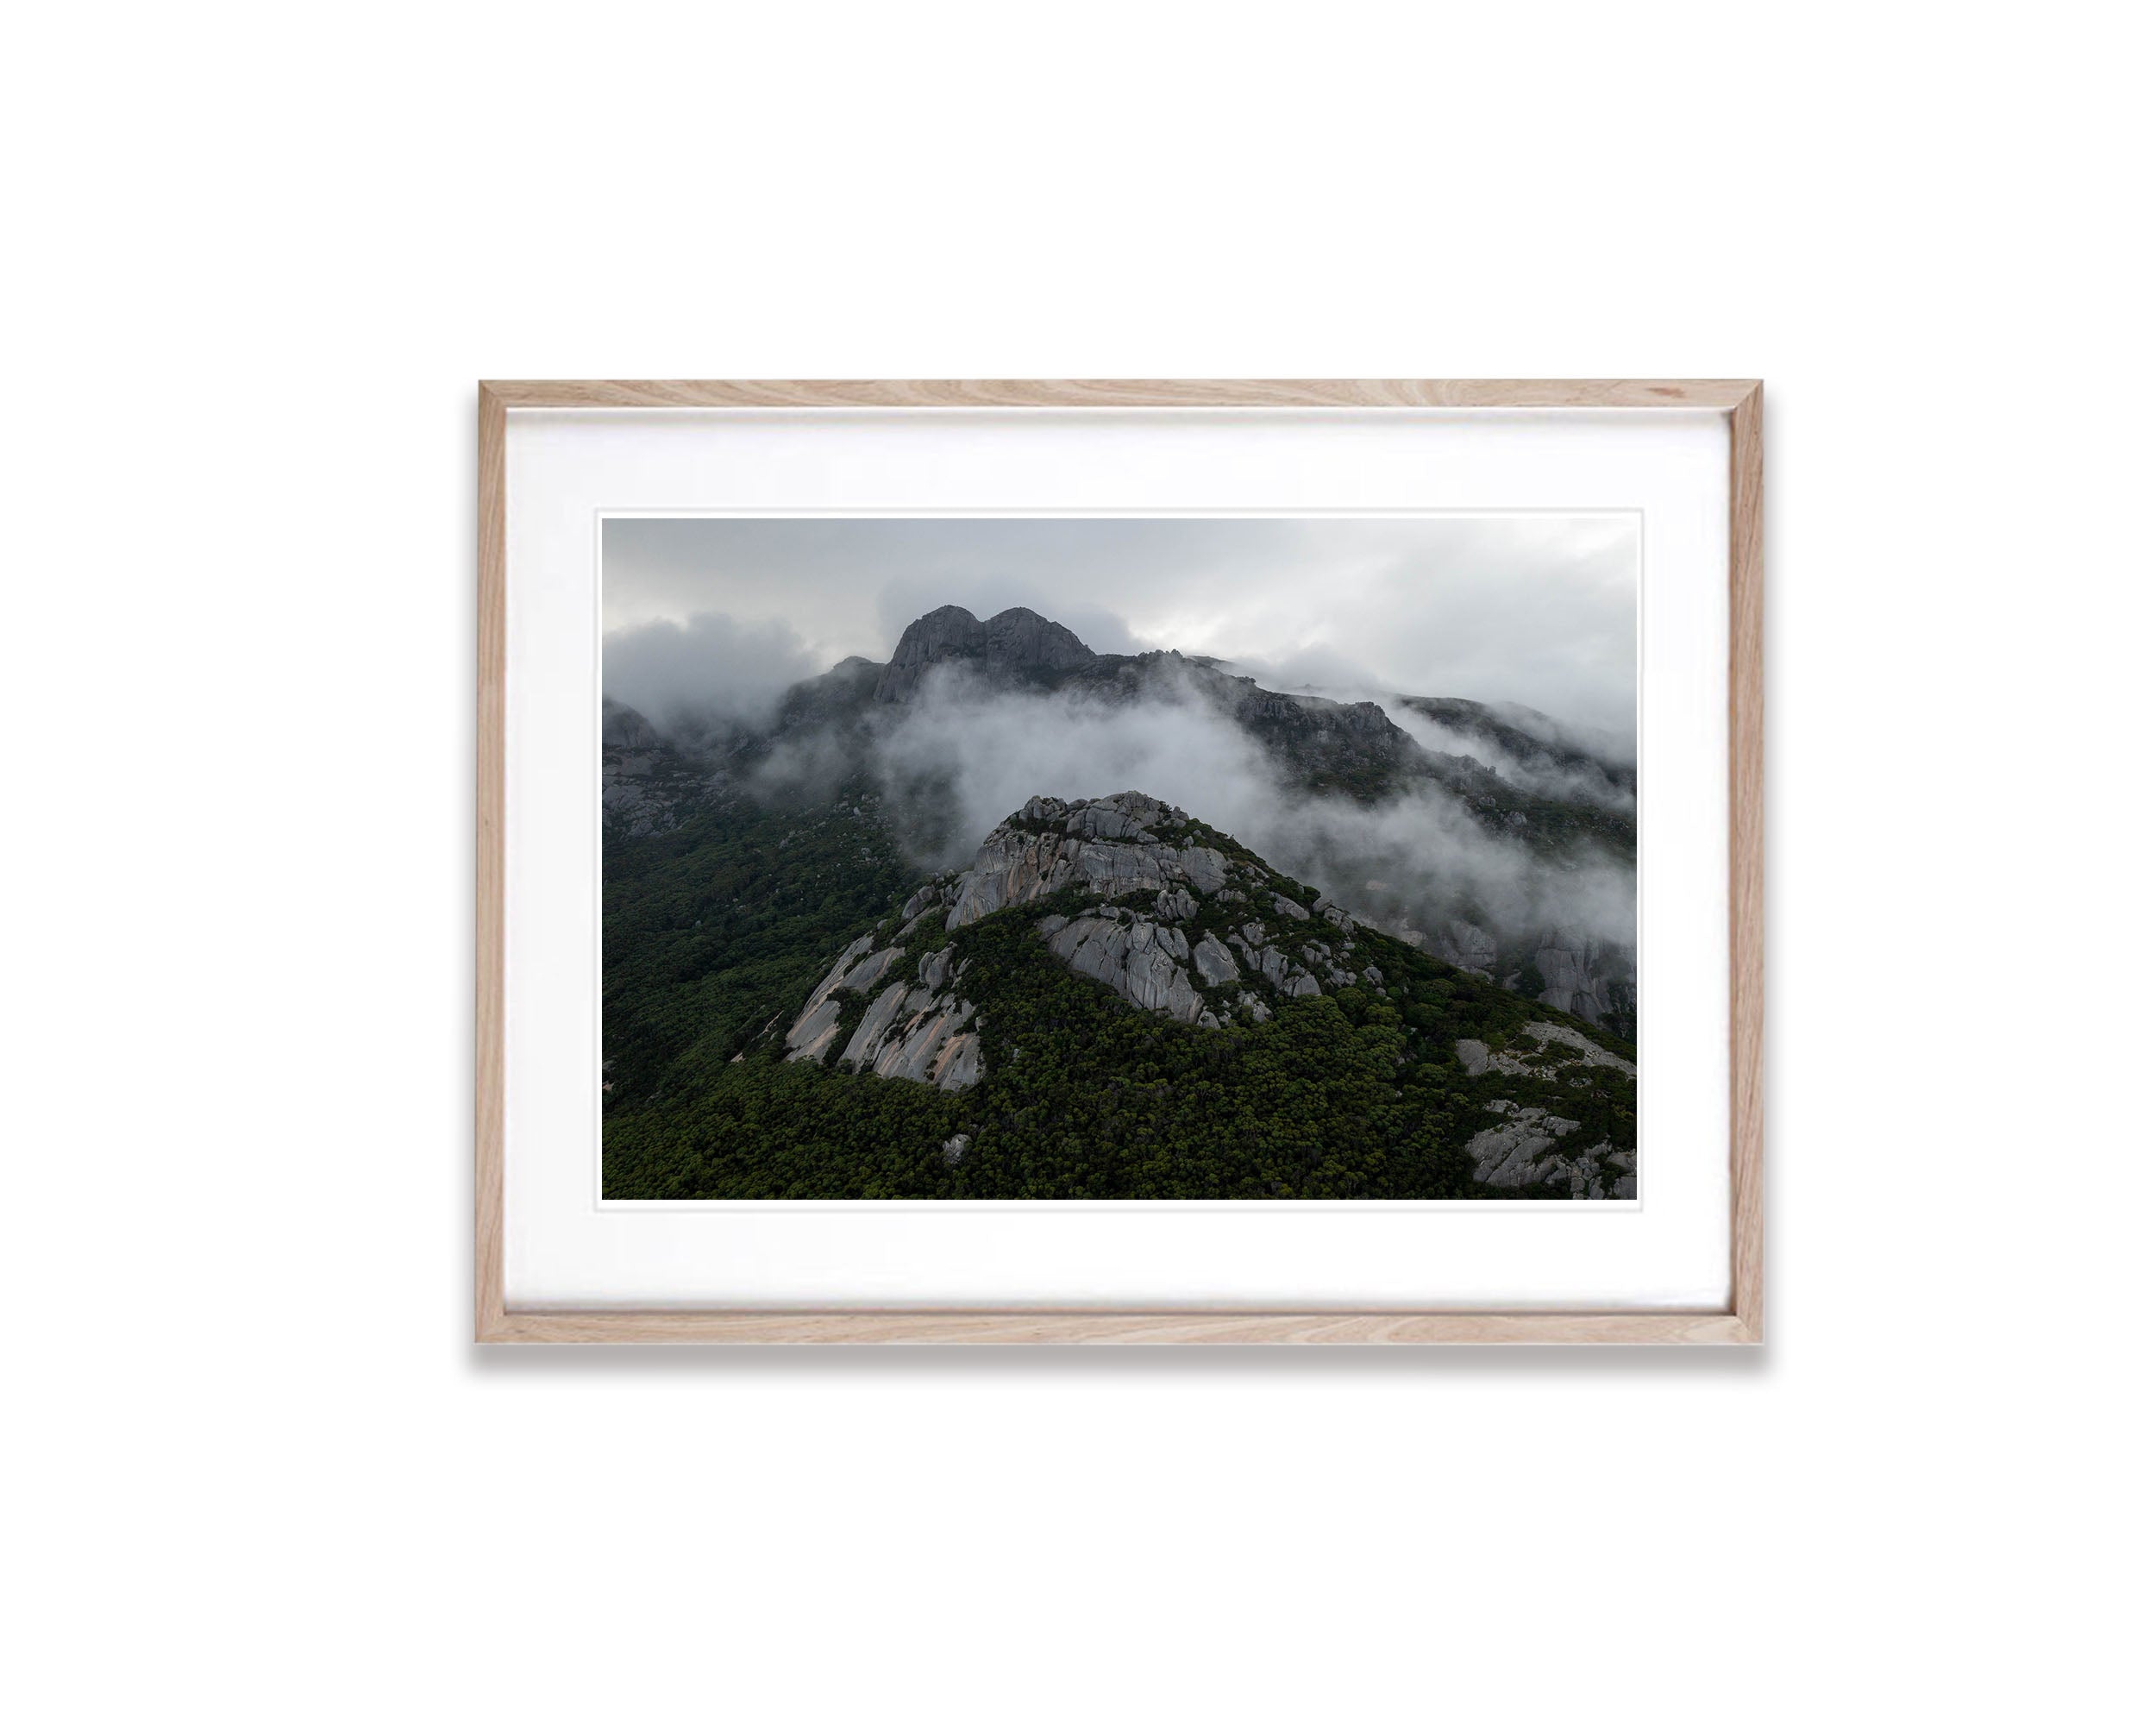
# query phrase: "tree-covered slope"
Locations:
[[1321, 1059], [718, 925]]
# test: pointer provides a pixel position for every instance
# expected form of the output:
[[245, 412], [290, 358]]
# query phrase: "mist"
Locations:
[[1539, 778], [1412, 861], [688, 678], [1331, 677], [1533, 608], [1537, 608]]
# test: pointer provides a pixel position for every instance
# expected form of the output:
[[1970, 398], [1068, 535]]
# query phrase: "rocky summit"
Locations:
[[1010, 645], [964, 989], [1177, 921]]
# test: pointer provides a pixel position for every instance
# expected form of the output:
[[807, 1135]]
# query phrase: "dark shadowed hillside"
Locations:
[[1112, 1000]]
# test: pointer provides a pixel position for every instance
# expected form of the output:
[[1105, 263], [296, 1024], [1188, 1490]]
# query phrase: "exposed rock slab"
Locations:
[[1524, 1150], [1142, 961], [1570, 1048], [1109, 846]]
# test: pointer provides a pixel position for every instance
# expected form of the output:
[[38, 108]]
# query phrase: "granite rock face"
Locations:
[[1011, 646], [1526, 1149], [917, 1030], [1586, 977], [1468, 947], [1555, 1052], [646, 785], [1216, 965], [916, 1034], [1176, 920], [1109, 846], [1154, 954], [1142, 961]]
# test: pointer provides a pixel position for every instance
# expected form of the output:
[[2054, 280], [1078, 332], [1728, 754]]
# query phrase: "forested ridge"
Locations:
[[716, 931]]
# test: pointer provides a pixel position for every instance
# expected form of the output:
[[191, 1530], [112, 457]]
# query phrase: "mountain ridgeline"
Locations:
[[1105, 995]]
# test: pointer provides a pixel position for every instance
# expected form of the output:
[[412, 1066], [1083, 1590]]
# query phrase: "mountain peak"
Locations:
[[1016, 641], [1124, 890]]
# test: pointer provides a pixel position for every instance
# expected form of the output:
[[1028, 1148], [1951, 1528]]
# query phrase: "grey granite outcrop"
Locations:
[[1216, 965], [1467, 946], [915, 1030], [1142, 961], [1588, 978], [1111, 848], [1108, 846], [1556, 1047], [1011, 646], [1525, 1150]]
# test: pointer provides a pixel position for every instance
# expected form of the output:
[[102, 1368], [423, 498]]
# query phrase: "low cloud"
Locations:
[[1415, 860], [688, 677], [1534, 608], [1331, 676], [1538, 776]]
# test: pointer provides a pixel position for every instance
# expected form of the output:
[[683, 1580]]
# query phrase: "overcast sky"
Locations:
[[1538, 609]]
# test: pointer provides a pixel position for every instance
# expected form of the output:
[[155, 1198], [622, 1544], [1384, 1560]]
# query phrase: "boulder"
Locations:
[[1215, 963], [1207, 869]]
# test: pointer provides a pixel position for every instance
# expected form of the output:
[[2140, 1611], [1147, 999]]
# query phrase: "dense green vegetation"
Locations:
[[714, 929], [716, 932]]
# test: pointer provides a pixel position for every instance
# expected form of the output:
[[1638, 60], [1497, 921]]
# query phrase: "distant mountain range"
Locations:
[[1351, 747]]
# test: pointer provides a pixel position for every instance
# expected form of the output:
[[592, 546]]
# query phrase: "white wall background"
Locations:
[[259, 254]]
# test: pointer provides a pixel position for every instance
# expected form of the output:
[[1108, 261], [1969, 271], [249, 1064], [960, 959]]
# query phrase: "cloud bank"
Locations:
[[707, 670], [1415, 860], [1538, 609]]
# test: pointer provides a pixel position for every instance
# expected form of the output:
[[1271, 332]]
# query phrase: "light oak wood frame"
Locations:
[[1739, 400]]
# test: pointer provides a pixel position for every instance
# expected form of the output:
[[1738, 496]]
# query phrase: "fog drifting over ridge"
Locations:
[[681, 675], [1537, 610], [991, 750], [709, 621]]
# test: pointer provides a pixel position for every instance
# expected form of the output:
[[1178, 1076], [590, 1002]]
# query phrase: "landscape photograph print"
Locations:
[[1205, 858]]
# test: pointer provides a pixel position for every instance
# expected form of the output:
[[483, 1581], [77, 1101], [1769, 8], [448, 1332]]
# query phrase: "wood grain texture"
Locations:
[[488, 1265], [1024, 1328], [1747, 864], [1349, 392], [1742, 1323]]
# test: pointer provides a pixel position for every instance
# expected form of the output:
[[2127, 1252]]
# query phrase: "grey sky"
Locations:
[[1538, 609]]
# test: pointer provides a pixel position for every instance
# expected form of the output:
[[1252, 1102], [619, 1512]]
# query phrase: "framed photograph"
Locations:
[[1149, 862]]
